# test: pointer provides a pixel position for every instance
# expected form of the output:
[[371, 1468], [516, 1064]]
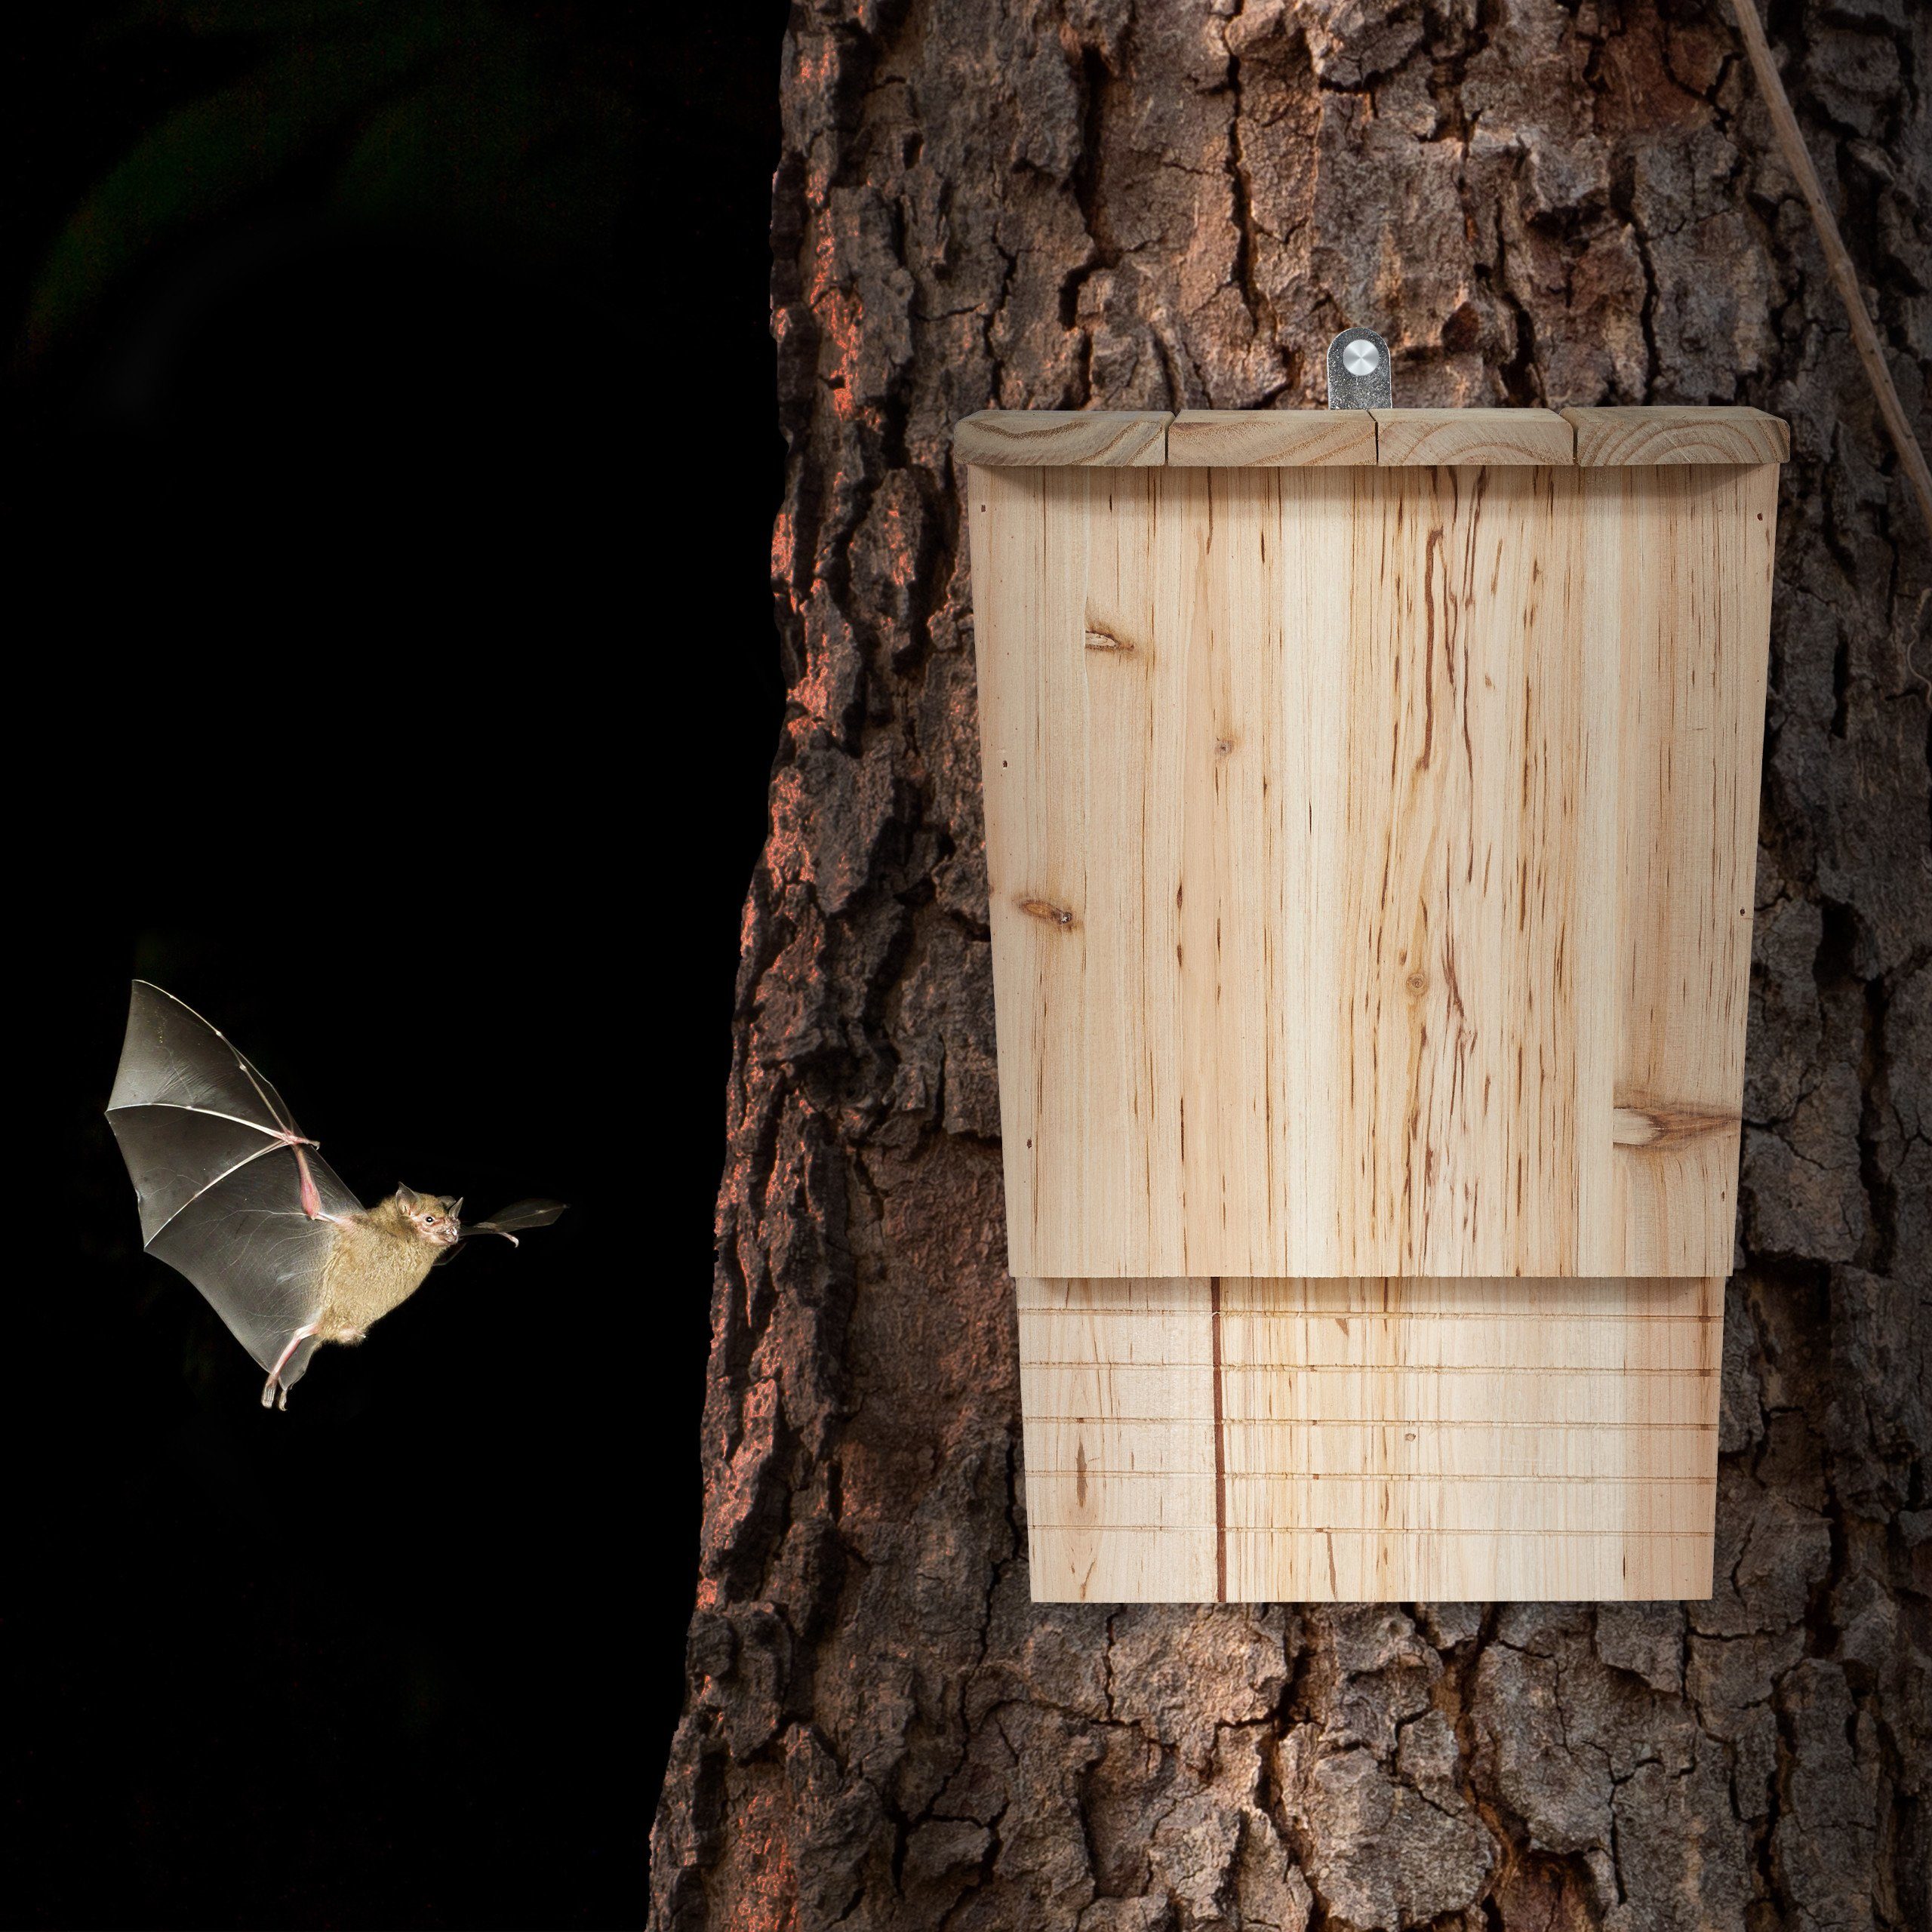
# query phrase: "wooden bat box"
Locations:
[[1371, 807]]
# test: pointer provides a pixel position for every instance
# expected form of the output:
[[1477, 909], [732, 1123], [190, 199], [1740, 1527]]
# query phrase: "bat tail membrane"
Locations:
[[512, 1220]]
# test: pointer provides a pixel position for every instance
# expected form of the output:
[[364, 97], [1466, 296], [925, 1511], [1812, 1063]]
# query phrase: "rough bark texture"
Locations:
[[1175, 202]]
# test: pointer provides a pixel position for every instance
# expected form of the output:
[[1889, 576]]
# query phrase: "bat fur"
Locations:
[[378, 1259]]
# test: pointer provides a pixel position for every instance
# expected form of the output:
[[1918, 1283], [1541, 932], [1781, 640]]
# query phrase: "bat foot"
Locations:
[[273, 1387]]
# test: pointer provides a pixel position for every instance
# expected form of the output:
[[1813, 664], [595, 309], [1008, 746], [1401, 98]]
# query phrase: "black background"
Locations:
[[395, 682]]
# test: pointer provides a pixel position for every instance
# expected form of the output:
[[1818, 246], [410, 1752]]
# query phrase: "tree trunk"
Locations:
[[1016, 202]]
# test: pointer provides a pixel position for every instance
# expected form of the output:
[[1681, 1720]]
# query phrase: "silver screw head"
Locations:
[[1358, 372]]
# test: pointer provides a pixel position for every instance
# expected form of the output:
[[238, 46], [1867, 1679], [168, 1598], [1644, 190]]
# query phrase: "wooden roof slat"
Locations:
[[1040, 438], [1632, 438]]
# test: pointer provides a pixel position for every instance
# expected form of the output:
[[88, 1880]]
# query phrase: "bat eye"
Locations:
[[428, 1220]]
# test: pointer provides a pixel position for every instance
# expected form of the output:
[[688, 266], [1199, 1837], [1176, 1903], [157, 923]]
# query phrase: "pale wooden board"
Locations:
[[1678, 564], [1386, 1441], [1126, 1477], [1408, 438], [1370, 854], [1614, 439], [1269, 438], [1239, 439], [1029, 439]]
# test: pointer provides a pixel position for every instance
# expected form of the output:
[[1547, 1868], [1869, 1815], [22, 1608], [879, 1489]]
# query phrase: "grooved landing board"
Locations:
[[1370, 853], [1370, 1441]]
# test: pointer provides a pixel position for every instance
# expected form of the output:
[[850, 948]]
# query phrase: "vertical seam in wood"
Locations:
[[1220, 1453]]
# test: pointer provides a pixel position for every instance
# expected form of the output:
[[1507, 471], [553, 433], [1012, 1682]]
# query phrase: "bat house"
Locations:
[[1371, 803]]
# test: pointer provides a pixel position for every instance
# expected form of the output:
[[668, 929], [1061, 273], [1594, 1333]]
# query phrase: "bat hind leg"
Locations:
[[271, 1389]]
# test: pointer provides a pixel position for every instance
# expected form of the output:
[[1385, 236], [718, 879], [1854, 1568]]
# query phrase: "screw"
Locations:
[[1361, 358]]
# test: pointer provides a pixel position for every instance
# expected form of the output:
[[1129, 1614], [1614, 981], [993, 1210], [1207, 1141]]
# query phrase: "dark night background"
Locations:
[[392, 454]]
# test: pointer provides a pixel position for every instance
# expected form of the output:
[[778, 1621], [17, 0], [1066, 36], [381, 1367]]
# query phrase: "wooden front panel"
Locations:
[[1370, 853], [1370, 1441], [1678, 563]]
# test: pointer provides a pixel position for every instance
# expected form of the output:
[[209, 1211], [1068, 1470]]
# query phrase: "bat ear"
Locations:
[[407, 1196]]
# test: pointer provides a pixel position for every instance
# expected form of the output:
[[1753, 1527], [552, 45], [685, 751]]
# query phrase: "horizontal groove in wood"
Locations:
[[1094, 1470], [1342, 1566], [1371, 1344], [1630, 1505], [1347, 1423], [1614, 1297], [1406, 1315], [1398, 1533], [1285, 1364], [1562, 1399]]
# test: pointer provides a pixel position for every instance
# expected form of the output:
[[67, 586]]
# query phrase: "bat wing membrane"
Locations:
[[171, 1057], [247, 1244], [212, 1150]]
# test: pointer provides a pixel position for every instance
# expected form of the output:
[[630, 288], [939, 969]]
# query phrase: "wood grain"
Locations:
[[1408, 438], [1678, 562], [1370, 854], [1030, 438], [1235, 439], [1269, 438], [1613, 438], [1369, 1440]]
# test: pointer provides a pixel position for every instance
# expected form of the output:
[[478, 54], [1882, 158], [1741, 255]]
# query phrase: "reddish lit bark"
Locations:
[[1177, 204]]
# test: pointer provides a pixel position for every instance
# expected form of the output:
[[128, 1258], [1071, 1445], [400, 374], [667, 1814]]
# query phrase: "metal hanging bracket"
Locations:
[[1359, 375]]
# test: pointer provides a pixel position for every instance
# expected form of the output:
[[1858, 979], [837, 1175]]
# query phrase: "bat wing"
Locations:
[[221, 1169]]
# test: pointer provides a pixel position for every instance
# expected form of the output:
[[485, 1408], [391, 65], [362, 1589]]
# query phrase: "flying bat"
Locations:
[[235, 1196]]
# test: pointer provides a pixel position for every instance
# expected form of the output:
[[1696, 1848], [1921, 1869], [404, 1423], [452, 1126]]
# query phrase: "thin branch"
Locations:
[[1797, 158]]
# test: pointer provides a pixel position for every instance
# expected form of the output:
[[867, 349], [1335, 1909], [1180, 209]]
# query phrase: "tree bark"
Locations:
[[1177, 203]]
